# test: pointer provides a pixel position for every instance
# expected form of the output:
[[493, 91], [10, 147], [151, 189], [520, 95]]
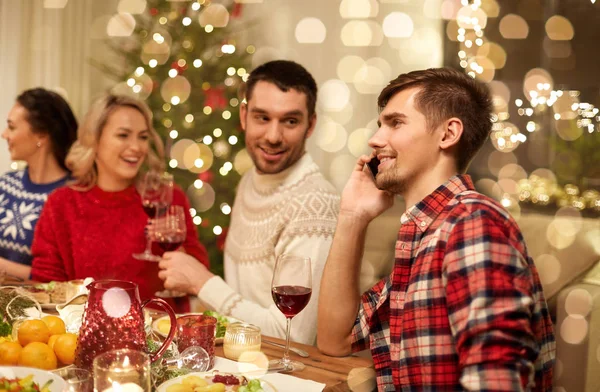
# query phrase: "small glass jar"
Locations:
[[241, 340]]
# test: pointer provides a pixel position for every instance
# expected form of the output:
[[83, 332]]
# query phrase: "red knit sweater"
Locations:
[[94, 234]]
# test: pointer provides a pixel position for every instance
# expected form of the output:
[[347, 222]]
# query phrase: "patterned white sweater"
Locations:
[[295, 212]]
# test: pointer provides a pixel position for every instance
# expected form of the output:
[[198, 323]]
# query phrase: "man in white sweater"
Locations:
[[283, 205]]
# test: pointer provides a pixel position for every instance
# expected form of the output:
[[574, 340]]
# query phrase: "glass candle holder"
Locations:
[[78, 380], [197, 330], [240, 340], [123, 370]]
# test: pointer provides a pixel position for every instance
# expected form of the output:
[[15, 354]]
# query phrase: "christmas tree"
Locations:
[[185, 59]]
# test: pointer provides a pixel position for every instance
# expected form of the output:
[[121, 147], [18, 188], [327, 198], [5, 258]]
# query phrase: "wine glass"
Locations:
[[291, 289], [156, 191], [169, 232]]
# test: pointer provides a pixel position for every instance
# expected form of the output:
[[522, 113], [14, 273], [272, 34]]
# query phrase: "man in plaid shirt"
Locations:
[[463, 308]]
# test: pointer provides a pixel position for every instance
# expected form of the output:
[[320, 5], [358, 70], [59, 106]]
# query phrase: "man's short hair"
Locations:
[[446, 93], [286, 75]]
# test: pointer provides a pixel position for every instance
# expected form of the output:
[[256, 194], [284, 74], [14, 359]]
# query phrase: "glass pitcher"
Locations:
[[114, 319]]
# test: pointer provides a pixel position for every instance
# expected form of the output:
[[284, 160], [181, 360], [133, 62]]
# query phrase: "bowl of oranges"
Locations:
[[39, 343]]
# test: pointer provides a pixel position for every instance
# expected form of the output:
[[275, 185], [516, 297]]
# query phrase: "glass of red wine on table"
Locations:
[[156, 191], [291, 289]]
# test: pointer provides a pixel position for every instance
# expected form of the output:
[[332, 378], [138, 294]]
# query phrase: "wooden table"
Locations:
[[331, 371]]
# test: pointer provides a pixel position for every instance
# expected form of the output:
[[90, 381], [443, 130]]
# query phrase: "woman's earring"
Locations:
[[39, 144]]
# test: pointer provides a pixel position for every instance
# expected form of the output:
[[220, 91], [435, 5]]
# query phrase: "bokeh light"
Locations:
[[537, 85], [497, 160], [358, 142], [557, 49], [494, 52], [131, 6], [469, 18], [330, 136], [310, 31], [398, 25], [359, 9], [348, 66], [242, 162], [500, 95], [491, 8], [120, 25], [215, 15], [343, 116], [178, 87], [201, 199], [449, 9], [506, 137], [513, 26], [559, 28], [362, 33], [548, 267], [333, 95]]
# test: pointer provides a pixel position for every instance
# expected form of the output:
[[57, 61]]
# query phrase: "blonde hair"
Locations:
[[81, 159]]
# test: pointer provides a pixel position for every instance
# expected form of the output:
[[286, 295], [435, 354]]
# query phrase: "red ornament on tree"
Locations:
[[215, 98], [236, 12], [153, 11], [206, 176]]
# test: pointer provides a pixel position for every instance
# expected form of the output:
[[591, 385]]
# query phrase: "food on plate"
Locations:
[[222, 322], [48, 293], [217, 382], [25, 384]]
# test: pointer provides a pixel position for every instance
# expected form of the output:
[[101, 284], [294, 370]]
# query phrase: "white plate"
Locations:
[[266, 386], [164, 335], [39, 376]]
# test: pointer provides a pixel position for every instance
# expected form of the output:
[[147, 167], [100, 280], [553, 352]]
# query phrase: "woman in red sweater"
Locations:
[[92, 228]]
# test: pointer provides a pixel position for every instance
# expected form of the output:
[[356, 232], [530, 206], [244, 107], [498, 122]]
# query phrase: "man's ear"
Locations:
[[312, 122], [243, 112], [451, 133]]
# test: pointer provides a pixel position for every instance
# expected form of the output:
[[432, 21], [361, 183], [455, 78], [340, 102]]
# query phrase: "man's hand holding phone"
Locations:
[[361, 195]]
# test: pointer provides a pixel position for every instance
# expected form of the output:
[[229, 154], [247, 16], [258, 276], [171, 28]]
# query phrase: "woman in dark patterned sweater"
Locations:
[[40, 130]]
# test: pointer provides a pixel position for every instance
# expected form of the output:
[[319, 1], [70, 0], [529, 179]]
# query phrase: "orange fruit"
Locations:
[[64, 348], [52, 340], [9, 353], [55, 325], [33, 331], [38, 355]]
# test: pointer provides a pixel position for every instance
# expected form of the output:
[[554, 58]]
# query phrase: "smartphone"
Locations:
[[373, 164]]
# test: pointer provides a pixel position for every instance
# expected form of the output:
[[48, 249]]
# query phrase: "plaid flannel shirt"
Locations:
[[463, 308]]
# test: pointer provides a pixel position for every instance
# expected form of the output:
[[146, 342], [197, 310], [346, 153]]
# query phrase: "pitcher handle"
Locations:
[[163, 304]]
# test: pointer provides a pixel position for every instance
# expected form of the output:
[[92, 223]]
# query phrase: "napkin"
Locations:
[[281, 382]]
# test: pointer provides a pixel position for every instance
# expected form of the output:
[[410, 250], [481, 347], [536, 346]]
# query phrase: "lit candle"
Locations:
[[127, 387]]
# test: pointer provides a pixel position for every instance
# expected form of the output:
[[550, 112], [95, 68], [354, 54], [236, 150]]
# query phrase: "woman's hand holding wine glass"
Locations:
[[291, 289]]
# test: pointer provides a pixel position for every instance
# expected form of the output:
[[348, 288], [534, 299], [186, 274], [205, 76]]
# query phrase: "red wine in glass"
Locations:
[[150, 208], [291, 288], [170, 243], [290, 300]]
